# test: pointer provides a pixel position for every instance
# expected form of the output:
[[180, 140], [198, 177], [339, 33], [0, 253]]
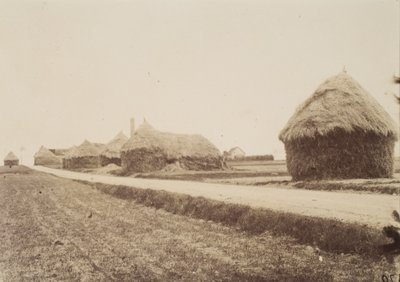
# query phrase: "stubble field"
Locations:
[[55, 229]]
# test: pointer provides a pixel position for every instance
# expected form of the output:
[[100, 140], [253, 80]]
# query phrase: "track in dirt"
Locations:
[[57, 229]]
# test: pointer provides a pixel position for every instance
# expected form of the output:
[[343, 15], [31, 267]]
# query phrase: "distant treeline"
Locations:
[[255, 158]]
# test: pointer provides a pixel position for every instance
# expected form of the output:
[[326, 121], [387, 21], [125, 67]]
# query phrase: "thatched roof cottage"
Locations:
[[150, 150], [11, 159], [86, 155], [47, 158], [341, 131], [112, 151]]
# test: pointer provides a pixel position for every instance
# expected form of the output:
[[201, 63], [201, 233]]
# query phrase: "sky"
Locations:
[[231, 70]]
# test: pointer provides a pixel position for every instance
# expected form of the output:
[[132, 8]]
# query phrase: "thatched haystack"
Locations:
[[341, 131], [11, 159], [59, 152], [112, 152], [66, 158], [150, 150], [45, 157], [86, 155]]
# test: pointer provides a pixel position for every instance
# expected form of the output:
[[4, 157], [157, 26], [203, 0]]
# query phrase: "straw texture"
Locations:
[[11, 159], [86, 155], [339, 103], [341, 131], [112, 152], [149, 149], [46, 158]]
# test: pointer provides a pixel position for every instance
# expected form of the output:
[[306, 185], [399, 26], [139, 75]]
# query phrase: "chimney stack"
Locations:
[[132, 126]]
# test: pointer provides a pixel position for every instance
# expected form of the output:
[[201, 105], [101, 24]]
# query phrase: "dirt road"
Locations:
[[55, 229], [370, 209]]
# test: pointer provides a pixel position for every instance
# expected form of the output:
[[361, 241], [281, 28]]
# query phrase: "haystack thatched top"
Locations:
[[113, 148], [44, 153], [11, 157], [339, 103], [174, 145], [86, 149]]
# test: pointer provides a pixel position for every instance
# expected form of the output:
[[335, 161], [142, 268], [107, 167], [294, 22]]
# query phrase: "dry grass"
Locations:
[[327, 234], [381, 186]]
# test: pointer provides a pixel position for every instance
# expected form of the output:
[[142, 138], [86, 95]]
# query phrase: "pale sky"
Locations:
[[233, 71]]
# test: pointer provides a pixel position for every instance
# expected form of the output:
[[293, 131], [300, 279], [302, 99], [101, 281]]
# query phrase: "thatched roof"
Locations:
[[46, 154], [113, 148], [339, 103], [86, 149], [11, 157], [60, 152], [100, 146], [174, 145]]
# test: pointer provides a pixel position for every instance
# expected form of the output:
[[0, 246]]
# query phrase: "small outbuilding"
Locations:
[[47, 158], [11, 160], [86, 155], [340, 132], [112, 152], [149, 150]]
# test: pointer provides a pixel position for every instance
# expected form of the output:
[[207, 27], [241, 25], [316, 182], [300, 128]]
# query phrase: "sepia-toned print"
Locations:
[[200, 140]]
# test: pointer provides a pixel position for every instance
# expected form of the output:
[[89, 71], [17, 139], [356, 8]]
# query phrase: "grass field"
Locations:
[[55, 229]]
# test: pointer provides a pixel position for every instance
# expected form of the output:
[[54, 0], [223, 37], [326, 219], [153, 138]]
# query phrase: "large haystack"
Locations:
[[11, 159], [341, 131], [45, 157], [150, 150], [112, 152], [86, 155]]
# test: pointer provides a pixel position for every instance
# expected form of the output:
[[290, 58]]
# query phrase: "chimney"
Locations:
[[132, 126]]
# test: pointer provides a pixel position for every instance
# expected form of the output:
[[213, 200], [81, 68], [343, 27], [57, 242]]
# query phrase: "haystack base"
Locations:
[[143, 160], [81, 162], [341, 155], [11, 163], [106, 161], [48, 162], [147, 160]]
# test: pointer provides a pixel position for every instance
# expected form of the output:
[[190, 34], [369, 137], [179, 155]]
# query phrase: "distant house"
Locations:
[[11, 160], [235, 154], [112, 151], [45, 157]]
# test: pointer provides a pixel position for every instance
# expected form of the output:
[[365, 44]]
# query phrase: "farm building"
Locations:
[[11, 160], [86, 155], [341, 131], [47, 158], [235, 154], [150, 150], [112, 151]]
